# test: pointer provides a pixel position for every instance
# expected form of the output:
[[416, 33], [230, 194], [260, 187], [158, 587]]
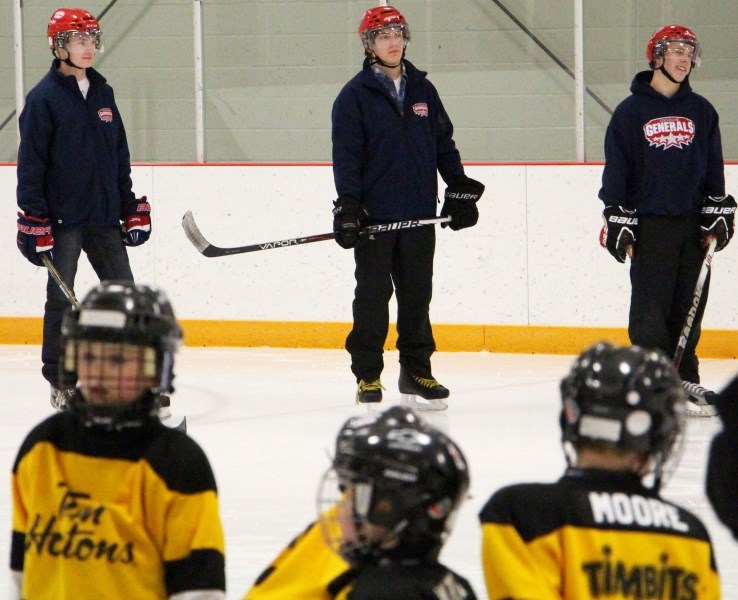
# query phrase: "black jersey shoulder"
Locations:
[[174, 456], [588, 499]]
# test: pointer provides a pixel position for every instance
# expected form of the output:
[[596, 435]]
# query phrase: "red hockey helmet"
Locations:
[[378, 18], [656, 47], [65, 21]]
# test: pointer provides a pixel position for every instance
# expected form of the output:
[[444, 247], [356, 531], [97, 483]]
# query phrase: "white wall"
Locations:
[[533, 259]]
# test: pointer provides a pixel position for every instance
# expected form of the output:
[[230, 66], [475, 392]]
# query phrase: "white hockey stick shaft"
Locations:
[[66, 290]]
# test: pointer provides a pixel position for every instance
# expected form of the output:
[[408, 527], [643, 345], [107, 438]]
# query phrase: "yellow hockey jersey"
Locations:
[[308, 569], [114, 515], [594, 534], [304, 570]]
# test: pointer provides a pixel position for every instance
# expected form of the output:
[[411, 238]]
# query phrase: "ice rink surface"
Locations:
[[267, 419]]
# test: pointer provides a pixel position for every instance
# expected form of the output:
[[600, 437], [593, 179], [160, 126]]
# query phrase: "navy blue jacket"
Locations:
[[388, 160], [662, 155], [73, 161]]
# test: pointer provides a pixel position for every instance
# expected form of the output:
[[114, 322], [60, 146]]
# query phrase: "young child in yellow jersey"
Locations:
[[107, 501], [386, 507], [603, 530]]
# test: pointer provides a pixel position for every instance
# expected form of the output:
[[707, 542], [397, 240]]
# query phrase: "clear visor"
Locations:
[[387, 35], [679, 49], [72, 41]]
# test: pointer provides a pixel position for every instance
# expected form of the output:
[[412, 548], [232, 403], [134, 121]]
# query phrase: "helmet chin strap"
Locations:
[[68, 60], [375, 60], [669, 77]]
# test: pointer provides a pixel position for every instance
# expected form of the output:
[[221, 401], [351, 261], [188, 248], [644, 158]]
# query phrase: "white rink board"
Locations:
[[533, 259]]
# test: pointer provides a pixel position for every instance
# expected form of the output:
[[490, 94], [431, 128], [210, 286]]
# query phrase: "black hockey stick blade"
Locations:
[[66, 290], [205, 248]]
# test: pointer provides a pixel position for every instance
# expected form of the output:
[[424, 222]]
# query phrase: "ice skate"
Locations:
[[60, 398], [166, 417], [369, 392], [700, 400], [421, 393]]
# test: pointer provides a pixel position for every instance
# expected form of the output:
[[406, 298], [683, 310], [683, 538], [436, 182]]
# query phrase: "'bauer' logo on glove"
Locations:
[[620, 231], [718, 216], [460, 203]]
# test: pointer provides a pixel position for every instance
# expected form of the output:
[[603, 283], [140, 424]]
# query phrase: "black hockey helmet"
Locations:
[[623, 397], [130, 314], [403, 476]]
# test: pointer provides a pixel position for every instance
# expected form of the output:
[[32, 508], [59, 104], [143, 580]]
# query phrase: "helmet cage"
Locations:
[[365, 514], [404, 476], [127, 314]]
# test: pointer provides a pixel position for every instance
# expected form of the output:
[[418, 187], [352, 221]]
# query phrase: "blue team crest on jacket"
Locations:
[[669, 132]]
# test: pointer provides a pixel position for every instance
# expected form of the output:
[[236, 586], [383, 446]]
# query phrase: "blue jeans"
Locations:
[[107, 255]]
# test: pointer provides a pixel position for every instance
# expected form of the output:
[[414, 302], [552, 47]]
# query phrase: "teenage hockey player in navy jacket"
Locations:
[[391, 138], [664, 192], [74, 176]]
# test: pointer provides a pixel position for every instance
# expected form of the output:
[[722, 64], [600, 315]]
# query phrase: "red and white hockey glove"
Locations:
[[136, 227], [34, 238], [718, 215]]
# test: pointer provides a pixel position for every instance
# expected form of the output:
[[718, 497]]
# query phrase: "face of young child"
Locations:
[[112, 373], [356, 531]]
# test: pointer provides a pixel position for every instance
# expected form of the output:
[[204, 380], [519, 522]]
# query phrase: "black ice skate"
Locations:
[[421, 393], [60, 398], [369, 393], [700, 400], [167, 418]]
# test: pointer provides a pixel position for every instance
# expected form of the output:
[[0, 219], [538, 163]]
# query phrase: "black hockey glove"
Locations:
[[136, 226], [718, 215], [348, 216], [34, 238], [460, 203], [620, 231]]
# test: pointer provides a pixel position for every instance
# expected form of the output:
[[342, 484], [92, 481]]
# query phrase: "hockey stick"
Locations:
[[207, 249], [696, 298], [66, 290]]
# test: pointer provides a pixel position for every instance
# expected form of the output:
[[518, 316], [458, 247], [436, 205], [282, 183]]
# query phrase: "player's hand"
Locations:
[[34, 238], [620, 232], [136, 226], [460, 203], [718, 216], [348, 215]]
